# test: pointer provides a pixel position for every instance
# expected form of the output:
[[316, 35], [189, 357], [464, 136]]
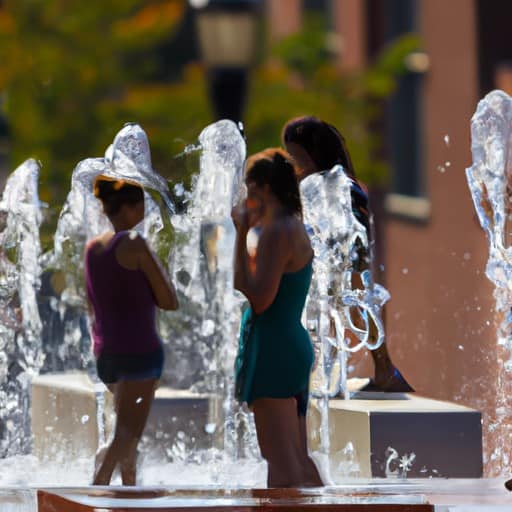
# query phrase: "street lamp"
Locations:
[[226, 31]]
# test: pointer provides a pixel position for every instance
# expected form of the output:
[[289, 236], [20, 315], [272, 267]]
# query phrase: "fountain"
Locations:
[[21, 356], [336, 235], [490, 183], [196, 248]]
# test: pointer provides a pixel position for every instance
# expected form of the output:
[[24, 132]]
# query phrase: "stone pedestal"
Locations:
[[64, 414], [179, 421], [375, 438], [65, 410]]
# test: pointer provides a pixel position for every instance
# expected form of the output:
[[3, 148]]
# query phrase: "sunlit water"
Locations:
[[21, 354], [490, 183], [196, 248], [336, 236]]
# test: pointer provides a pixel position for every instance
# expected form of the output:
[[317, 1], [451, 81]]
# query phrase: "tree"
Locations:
[[72, 73]]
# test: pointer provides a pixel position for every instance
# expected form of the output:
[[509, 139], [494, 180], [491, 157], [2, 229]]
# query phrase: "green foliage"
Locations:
[[74, 72], [300, 78]]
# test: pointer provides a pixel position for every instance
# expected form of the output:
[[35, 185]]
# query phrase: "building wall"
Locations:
[[440, 318], [283, 17], [349, 21]]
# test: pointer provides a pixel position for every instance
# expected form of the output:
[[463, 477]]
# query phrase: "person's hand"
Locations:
[[240, 217]]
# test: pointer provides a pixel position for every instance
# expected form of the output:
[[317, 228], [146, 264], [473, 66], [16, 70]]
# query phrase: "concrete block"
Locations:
[[64, 413], [370, 438], [180, 421]]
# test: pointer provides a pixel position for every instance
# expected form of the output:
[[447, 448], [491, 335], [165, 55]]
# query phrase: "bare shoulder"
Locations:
[[276, 237], [275, 232], [290, 226], [133, 242], [98, 243]]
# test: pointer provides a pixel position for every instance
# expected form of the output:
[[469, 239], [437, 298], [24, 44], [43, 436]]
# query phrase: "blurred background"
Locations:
[[399, 78]]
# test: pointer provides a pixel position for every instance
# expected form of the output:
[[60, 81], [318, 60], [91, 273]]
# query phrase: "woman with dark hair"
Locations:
[[275, 353], [317, 146], [125, 284]]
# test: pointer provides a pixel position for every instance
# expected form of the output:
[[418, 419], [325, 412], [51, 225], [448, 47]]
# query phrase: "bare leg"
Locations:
[[133, 401], [387, 376], [102, 450], [279, 437], [312, 475]]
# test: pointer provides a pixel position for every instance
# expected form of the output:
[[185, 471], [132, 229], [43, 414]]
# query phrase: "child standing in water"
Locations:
[[275, 353], [125, 285]]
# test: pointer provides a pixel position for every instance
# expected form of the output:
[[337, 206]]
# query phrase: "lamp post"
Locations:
[[226, 30]]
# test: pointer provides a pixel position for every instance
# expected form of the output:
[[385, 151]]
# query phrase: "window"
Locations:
[[404, 109]]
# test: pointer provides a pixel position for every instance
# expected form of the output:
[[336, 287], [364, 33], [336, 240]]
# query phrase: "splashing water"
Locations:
[[204, 272], [396, 466], [336, 236], [203, 335], [82, 218], [205, 238], [490, 180], [21, 354]]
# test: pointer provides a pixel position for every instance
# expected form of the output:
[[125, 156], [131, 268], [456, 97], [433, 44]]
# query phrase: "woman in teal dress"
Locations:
[[275, 354]]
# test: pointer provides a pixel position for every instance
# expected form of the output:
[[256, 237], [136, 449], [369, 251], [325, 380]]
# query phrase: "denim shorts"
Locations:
[[115, 367]]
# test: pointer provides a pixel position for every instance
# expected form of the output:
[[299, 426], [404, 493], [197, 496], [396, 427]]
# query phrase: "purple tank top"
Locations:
[[122, 301]]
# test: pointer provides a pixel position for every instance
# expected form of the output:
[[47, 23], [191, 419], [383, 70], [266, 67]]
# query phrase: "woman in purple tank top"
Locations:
[[125, 285]]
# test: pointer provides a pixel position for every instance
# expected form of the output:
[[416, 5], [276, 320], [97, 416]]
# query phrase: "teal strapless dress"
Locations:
[[275, 354]]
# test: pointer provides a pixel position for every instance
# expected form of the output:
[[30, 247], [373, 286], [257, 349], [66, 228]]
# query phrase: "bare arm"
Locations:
[[260, 285], [162, 287]]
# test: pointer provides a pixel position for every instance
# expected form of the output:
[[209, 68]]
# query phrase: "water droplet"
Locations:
[[441, 168], [446, 139], [461, 347], [84, 419], [210, 428], [447, 164], [179, 189], [405, 270], [139, 400], [208, 328]]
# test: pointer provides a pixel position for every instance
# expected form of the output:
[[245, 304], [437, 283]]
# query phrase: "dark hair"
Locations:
[[273, 167], [116, 193], [322, 142]]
